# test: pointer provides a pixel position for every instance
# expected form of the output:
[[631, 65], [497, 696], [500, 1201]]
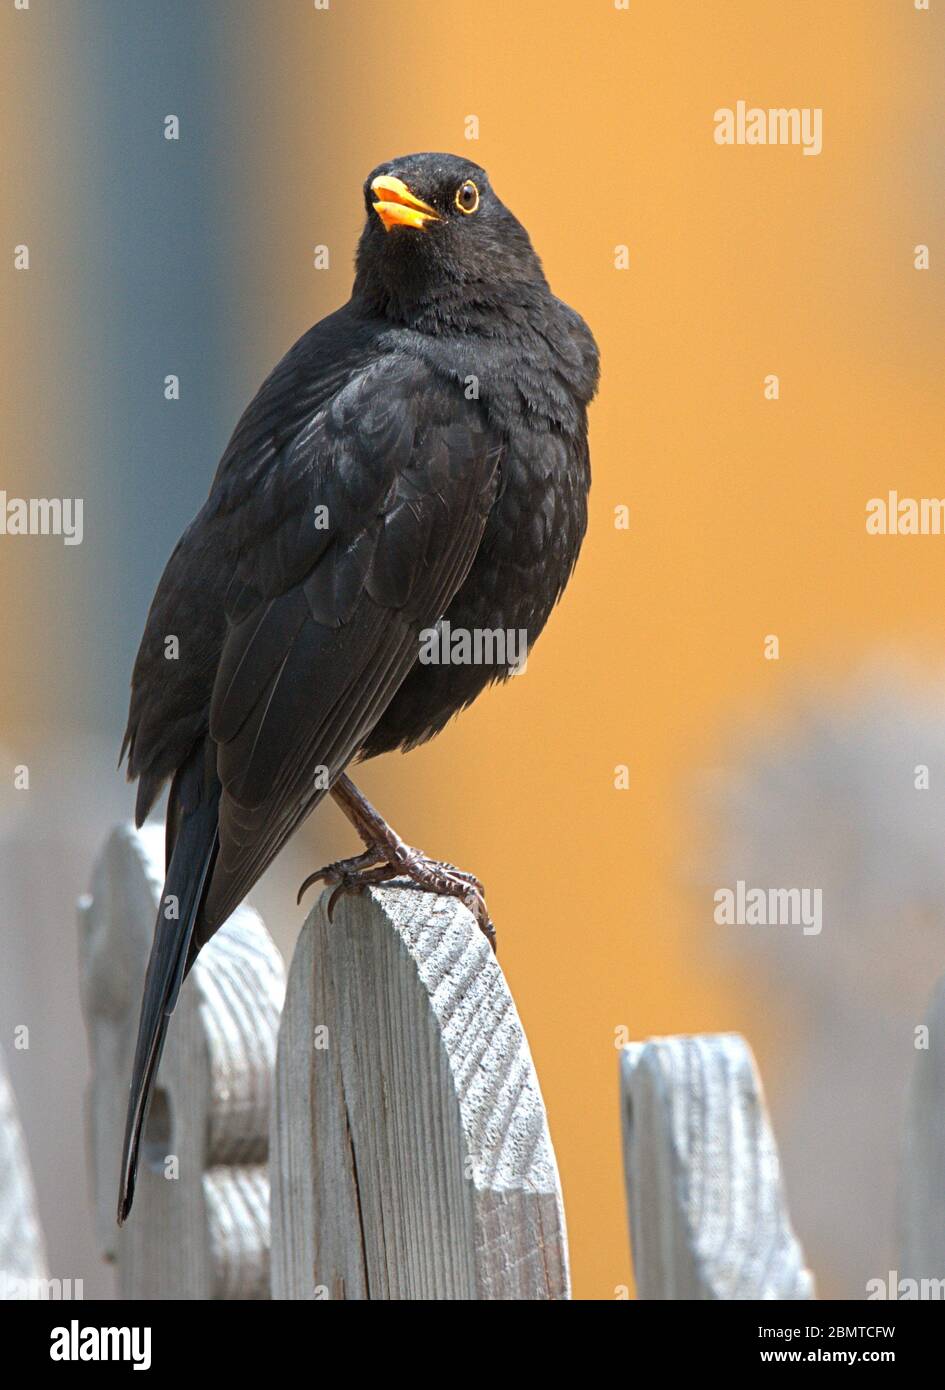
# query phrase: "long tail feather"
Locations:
[[172, 954]]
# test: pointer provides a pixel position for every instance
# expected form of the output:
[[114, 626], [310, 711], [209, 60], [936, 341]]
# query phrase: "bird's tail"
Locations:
[[172, 953]]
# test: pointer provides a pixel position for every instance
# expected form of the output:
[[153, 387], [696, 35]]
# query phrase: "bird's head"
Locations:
[[438, 242]]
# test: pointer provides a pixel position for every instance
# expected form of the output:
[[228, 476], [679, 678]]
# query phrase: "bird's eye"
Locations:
[[467, 196]]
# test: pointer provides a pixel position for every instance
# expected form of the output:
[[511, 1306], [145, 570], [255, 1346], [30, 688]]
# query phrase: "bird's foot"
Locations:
[[379, 863]]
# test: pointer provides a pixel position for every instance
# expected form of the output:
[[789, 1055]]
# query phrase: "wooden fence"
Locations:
[[22, 1255], [374, 1129]]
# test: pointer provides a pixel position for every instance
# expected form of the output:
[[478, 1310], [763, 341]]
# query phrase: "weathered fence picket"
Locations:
[[922, 1182], [22, 1252], [411, 1153], [200, 1226], [708, 1216]]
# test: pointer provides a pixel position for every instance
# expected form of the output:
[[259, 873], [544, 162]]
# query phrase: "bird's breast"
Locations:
[[528, 550]]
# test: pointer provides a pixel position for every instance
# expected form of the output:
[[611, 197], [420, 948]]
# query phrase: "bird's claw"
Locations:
[[477, 906], [379, 864], [343, 869], [338, 892]]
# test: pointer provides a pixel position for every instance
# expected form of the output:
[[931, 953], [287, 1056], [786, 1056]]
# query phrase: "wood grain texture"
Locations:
[[22, 1253], [922, 1184], [200, 1224], [708, 1216], [411, 1156]]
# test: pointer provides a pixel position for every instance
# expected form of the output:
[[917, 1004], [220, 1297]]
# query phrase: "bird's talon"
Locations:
[[379, 864], [336, 894], [307, 883], [343, 870]]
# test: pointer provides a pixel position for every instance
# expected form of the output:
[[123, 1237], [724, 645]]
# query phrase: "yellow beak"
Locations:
[[397, 206]]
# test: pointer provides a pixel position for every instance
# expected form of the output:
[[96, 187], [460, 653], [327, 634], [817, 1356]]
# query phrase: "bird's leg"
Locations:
[[387, 856]]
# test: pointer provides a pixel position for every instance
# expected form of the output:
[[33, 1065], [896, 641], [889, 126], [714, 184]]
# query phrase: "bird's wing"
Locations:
[[354, 540]]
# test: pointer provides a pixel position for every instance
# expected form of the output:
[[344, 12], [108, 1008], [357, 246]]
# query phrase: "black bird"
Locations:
[[419, 455]]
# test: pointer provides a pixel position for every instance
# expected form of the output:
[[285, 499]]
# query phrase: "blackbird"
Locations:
[[418, 458]]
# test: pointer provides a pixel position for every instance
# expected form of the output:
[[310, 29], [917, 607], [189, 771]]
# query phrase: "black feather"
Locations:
[[195, 847]]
